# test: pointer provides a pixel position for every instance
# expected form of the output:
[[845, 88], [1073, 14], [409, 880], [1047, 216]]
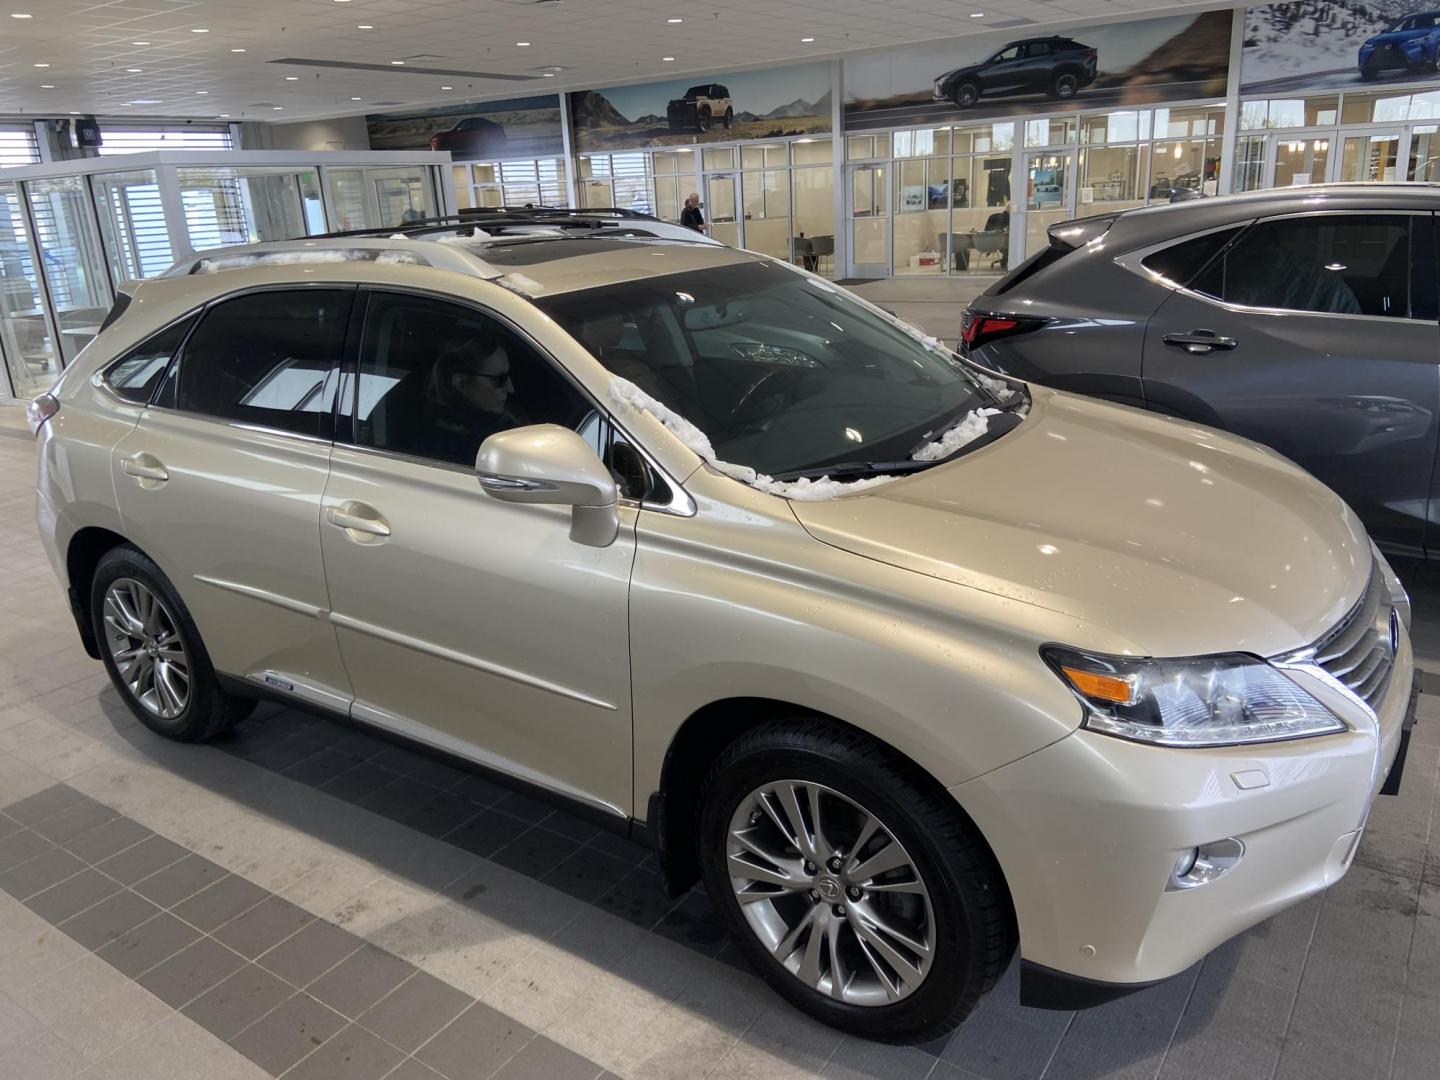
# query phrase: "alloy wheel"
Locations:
[[830, 892], [1065, 86], [146, 648]]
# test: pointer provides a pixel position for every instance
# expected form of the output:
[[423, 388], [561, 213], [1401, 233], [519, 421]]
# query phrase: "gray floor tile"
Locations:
[[1011, 1050], [410, 1069], [43, 803], [232, 1005], [217, 904], [441, 813], [862, 1059], [137, 951], [108, 839], [358, 782], [48, 868], [545, 1059], [414, 1011], [262, 927], [147, 857], [587, 874], [190, 972], [72, 896], [486, 834], [109, 919], [180, 880], [476, 1044], [73, 820], [21, 847], [353, 1054], [320, 767], [305, 956], [360, 980], [1124, 1039], [285, 1035]]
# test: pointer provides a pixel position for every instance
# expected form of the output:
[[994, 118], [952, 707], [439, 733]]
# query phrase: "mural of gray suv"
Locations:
[[1303, 318]]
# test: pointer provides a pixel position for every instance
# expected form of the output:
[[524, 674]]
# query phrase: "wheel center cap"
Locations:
[[152, 649], [828, 888]]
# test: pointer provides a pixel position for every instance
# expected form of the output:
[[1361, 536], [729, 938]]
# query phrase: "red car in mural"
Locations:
[[473, 136]]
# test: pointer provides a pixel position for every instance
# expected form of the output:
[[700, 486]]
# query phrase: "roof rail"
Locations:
[[492, 215], [581, 212]]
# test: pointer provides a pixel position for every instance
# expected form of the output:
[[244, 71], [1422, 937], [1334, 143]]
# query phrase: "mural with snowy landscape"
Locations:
[[1318, 44], [767, 104]]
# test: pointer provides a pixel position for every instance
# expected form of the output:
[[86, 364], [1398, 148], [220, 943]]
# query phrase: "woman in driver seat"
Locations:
[[469, 396]]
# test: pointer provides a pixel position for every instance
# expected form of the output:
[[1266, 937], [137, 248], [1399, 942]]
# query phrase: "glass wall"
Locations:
[[71, 260], [25, 339], [533, 182]]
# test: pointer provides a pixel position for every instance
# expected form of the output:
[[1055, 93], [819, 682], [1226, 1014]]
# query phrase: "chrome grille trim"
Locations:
[[1358, 653]]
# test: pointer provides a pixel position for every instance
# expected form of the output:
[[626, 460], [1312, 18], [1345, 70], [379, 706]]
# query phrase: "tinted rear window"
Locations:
[[1030, 267], [1181, 262]]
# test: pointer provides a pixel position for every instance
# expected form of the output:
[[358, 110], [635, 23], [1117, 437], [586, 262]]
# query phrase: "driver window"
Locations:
[[1011, 53], [436, 379]]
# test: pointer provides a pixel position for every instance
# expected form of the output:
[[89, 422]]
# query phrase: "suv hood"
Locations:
[[968, 69], [1394, 37], [1172, 539]]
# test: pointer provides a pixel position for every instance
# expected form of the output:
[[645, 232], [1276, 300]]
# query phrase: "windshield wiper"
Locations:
[[853, 469]]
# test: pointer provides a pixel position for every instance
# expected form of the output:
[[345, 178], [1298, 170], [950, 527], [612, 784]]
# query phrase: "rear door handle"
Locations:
[[143, 466], [1200, 341], [357, 517]]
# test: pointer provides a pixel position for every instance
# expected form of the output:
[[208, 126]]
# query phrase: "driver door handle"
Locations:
[[143, 466], [357, 517], [1199, 342]]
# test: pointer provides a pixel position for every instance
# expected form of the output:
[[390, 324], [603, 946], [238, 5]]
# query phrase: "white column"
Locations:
[[841, 259], [572, 163], [1232, 102]]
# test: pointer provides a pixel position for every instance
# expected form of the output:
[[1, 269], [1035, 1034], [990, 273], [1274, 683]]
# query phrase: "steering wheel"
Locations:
[[737, 414]]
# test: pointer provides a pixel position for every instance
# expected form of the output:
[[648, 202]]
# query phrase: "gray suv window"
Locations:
[[1343, 265], [135, 375], [269, 358]]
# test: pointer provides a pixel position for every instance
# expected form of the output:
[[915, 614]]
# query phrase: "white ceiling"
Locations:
[[89, 46]]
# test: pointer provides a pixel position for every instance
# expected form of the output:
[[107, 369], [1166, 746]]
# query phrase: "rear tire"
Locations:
[[1065, 86], [949, 895], [729, 118], [153, 653]]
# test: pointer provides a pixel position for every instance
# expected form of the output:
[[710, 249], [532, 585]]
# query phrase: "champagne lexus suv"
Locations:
[[913, 664]]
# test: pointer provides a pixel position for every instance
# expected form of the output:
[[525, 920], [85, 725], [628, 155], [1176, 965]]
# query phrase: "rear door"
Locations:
[[1315, 334], [220, 483]]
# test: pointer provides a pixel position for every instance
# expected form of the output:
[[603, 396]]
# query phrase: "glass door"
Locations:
[[25, 336], [72, 261], [1424, 157], [868, 219], [722, 208], [1299, 159], [1370, 155], [1049, 195]]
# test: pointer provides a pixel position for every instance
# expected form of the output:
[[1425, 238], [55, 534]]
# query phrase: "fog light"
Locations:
[[1202, 865]]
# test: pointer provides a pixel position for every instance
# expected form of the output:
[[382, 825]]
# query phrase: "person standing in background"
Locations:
[[690, 216]]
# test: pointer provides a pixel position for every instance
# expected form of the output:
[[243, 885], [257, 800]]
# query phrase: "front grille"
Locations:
[[1360, 652]]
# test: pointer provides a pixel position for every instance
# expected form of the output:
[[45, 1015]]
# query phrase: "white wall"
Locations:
[[341, 133]]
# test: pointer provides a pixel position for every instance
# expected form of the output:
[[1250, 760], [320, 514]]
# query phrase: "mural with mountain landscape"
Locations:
[[1315, 44], [1143, 62], [487, 130], [766, 104]]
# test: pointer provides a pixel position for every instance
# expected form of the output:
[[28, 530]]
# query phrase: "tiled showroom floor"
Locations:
[[305, 900]]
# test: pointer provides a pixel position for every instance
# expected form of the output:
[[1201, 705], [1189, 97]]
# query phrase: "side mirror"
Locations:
[[546, 463]]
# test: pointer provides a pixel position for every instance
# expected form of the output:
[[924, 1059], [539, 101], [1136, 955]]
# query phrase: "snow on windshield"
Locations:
[[625, 393]]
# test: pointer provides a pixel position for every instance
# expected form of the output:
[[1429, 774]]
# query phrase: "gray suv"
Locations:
[[1304, 318]]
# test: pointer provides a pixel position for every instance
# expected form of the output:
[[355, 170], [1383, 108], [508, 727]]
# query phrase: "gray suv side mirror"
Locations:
[[546, 463]]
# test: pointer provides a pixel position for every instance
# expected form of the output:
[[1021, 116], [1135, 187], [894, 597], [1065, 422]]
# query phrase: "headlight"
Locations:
[[1197, 701]]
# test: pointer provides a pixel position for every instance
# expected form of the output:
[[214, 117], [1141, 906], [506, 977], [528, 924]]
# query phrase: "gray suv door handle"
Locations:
[[356, 517], [144, 467], [1200, 341]]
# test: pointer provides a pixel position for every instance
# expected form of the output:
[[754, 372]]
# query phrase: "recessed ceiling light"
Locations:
[[674, 20], [398, 63], [237, 50], [202, 91], [42, 65], [806, 39], [523, 44], [549, 74], [20, 15], [74, 112], [145, 101], [292, 78], [978, 15], [224, 116], [134, 71], [447, 88], [354, 99], [364, 26], [277, 108], [667, 59], [47, 86], [139, 43], [198, 30]]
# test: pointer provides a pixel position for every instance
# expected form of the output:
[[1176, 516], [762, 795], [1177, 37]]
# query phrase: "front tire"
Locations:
[[153, 653], [854, 885], [702, 120], [966, 95]]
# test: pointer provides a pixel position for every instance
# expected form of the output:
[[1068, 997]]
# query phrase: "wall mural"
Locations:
[[1324, 44], [1009, 73], [513, 128], [765, 104]]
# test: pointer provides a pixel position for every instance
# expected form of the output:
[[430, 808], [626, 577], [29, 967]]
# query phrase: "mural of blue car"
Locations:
[[1413, 44]]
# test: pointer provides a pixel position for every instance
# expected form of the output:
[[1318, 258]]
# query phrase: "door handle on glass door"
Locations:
[[1200, 341], [357, 517], [143, 466]]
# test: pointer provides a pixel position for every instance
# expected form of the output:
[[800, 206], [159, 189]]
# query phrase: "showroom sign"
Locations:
[[484, 131], [769, 104], [1338, 44], [1009, 73]]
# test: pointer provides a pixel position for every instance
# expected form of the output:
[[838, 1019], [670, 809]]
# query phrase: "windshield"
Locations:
[[781, 372]]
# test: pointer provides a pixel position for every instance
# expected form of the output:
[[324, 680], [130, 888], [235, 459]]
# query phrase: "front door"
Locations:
[[1311, 333], [868, 219], [474, 625], [220, 483], [1049, 195], [722, 208], [1370, 155]]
